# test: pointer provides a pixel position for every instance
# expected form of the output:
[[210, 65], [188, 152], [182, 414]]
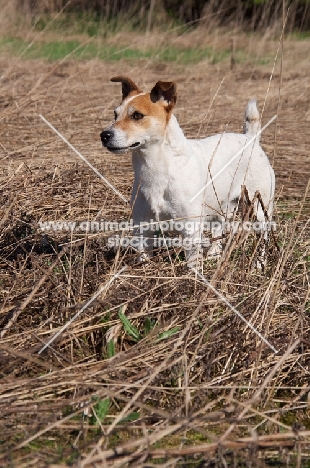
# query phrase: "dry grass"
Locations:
[[209, 394]]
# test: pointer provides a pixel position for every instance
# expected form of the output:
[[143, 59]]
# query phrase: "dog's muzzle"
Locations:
[[106, 137]]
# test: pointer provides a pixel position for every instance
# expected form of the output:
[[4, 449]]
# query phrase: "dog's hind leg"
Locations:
[[216, 249], [262, 233]]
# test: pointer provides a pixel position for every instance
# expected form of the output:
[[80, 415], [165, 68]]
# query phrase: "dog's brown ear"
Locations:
[[166, 91], [127, 85]]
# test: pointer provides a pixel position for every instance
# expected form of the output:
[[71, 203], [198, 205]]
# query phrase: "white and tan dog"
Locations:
[[170, 169]]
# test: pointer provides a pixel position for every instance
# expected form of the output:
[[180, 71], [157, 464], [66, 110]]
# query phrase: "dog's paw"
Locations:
[[143, 258], [194, 261], [215, 251], [260, 264]]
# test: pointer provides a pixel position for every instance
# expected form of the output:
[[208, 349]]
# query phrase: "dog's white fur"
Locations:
[[170, 169]]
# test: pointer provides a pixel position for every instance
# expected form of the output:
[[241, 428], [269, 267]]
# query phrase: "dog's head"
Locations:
[[141, 118]]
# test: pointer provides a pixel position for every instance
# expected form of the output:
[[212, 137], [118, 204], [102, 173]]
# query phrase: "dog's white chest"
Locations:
[[156, 187]]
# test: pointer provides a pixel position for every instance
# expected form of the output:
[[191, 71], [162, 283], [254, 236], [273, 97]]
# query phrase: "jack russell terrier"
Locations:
[[185, 180]]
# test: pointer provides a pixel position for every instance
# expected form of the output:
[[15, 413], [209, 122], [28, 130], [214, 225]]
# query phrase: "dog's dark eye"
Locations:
[[137, 115], [115, 115]]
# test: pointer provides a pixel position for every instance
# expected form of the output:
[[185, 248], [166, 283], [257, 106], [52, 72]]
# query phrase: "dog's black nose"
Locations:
[[105, 136]]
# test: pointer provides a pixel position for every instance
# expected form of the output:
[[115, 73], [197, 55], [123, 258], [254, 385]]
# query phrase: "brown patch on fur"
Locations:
[[166, 90], [128, 86], [144, 105]]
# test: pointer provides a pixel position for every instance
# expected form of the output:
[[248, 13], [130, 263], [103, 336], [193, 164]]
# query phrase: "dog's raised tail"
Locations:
[[251, 119]]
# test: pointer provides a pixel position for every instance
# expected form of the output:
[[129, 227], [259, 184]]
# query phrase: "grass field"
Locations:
[[157, 370]]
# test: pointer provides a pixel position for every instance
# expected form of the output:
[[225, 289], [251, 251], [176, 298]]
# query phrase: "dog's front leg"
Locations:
[[143, 232], [143, 240], [192, 243]]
